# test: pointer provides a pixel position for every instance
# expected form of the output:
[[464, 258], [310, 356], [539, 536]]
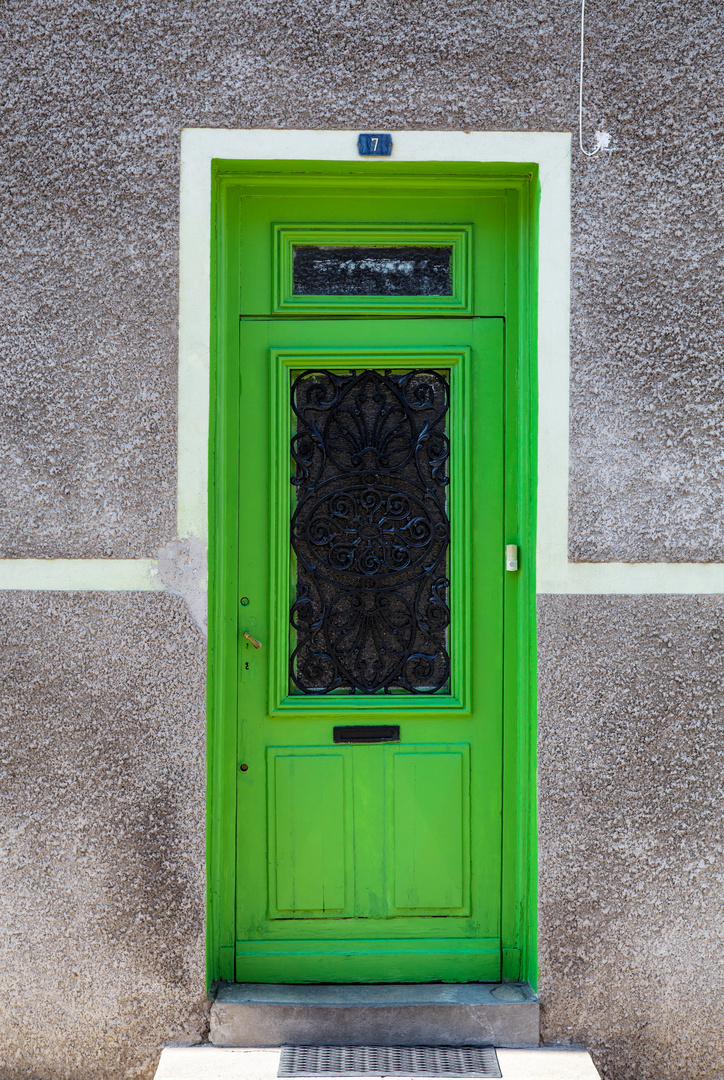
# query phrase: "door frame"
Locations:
[[520, 184]]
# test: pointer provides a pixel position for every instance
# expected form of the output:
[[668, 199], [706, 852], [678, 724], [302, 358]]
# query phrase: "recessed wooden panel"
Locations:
[[307, 855], [431, 831]]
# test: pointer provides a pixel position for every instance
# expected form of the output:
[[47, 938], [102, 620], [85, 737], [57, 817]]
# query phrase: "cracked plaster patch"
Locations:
[[182, 569]]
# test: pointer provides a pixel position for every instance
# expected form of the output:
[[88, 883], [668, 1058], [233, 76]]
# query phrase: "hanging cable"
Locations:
[[602, 137]]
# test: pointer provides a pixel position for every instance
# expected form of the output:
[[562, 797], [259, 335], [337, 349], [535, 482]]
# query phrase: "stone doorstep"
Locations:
[[452, 1014], [239, 1063]]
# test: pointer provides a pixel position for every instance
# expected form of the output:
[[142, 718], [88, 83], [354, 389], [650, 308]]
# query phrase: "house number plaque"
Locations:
[[374, 145]]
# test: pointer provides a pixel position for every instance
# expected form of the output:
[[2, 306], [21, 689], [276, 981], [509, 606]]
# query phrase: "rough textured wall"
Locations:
[[102, 811], [93, 103], [93, 100], [631, 804]]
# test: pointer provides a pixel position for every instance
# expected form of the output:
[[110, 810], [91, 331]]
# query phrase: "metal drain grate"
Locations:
[[388, 1061]]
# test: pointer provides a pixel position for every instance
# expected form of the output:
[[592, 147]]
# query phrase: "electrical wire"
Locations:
[[601, 138]]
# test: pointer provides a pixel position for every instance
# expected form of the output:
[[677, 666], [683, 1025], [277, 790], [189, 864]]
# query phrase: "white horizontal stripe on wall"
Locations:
[[630, 578], [82, 575]]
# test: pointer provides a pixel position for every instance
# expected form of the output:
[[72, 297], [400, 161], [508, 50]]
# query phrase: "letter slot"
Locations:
[[367, 733]]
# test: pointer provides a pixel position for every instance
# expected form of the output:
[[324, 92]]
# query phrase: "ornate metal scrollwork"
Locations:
[[370, 531]]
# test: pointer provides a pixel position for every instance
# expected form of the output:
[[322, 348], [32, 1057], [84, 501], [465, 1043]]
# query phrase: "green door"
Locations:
[[368, 521]]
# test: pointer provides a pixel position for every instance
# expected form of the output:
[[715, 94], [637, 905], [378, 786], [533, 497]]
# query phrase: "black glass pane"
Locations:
[[370, 531], [371, 271]]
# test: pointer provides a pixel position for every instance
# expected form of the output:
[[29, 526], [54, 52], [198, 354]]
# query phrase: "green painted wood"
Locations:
[[284, 363], [526, 667], [374, 960], [519, 898], [310, 857], [223, 577], [378, 235], [430, 795], [429, 870], [248, 715], [353, 206]]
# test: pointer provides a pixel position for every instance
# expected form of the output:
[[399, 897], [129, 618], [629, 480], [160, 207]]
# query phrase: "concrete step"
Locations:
[[217, 1063], [435, 1014]]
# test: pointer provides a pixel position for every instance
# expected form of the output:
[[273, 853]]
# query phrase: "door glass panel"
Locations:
[[370, 532], [343, 270]]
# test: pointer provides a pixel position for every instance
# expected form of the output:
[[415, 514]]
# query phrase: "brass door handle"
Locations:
[[255, 643]]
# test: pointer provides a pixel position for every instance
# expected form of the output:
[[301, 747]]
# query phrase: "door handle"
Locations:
[[255, 643]]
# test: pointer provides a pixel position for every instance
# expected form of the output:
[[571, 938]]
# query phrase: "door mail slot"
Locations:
[[367, 733]]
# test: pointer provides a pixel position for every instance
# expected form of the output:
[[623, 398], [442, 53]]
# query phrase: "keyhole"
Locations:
[[246, 665]]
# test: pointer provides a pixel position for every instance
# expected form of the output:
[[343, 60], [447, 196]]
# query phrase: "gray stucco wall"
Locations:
[[102, 811], [631, 805], [102, 958], [94, 101]]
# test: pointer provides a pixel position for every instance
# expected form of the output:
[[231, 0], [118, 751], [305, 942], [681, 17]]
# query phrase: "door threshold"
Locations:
[[212, 1063], [386, 1014]]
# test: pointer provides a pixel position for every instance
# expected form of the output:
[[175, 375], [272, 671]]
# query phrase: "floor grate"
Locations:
[[388, 1061]]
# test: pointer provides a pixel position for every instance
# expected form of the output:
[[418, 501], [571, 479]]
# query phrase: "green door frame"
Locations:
[[519, 184]]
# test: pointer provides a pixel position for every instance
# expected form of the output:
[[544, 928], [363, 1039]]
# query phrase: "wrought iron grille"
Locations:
[[370, 531]]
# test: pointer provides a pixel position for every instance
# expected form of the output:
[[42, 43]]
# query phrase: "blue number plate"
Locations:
[[377, 145]]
